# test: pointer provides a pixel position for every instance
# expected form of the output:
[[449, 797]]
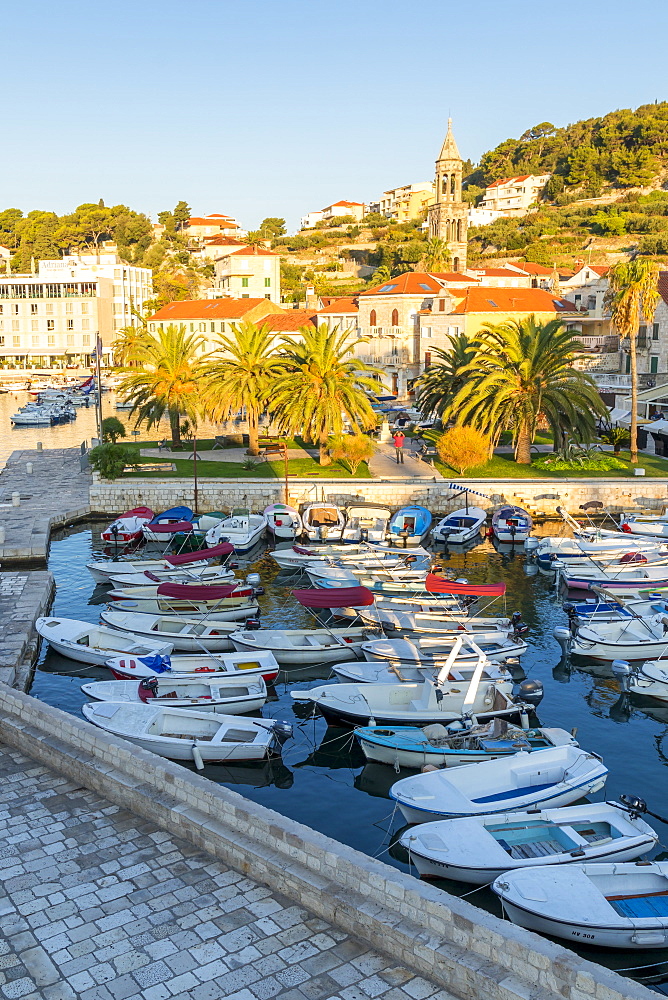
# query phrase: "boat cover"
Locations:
[[170, 529], [337, 597], [304, 552], [138, 512], [203, 591], [224, 549], [437, 585], [175, 513]]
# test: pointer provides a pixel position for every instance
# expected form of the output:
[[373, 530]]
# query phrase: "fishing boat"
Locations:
[[233, 695], [343, 555], [608, 905], [511, 524], [653, 526], [186, 598], [162, 526], [479, 849], [183, 734], [366, 522], [192, 635], [323, 522], [630, 639], [410, 524], [95, 644], [103, 570], [461, 670], [283, 522], [460, 526], [554, 777], [128, 527], [433, 623], [628, 577], [650, 679], [304, 646], [124, 668], [242, 529], [497, 645], [201, 574]]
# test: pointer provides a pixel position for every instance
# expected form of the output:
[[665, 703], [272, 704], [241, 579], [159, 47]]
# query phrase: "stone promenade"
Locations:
[[98, 904]]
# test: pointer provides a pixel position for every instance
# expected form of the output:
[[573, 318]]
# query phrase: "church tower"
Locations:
[[448, 215]]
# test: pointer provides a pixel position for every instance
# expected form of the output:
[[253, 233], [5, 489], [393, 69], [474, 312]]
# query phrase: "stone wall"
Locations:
[[536, 495], [468, 951]]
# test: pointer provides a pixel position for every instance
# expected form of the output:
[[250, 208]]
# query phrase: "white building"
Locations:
[[483, 216], [356, 209], [405, 203], [132, 286], [514, 196], [249, 273]]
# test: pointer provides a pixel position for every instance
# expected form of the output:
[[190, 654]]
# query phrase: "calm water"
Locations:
[[322, 779]]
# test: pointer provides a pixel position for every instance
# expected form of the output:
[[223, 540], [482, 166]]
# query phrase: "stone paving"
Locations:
[[24, 597], [96, 903]]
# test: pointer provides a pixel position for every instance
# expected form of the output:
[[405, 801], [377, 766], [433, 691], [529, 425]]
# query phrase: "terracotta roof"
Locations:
[[524, 300], [291, 320], [224, 221], [409, 283], [599, 269], [508, 180], [223, 241], [464, 279], [336, 204], [343, 305], [530, 268], [253, 251], [496, 272], [206, 309], [663, 285]]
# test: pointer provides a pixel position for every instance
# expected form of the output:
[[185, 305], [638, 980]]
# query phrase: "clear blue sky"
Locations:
[[278, 107]]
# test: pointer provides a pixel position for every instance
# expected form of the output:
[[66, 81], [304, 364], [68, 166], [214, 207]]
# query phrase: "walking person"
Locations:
[[398, 438]]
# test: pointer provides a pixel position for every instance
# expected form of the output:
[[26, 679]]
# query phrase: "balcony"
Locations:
[[398, 357]]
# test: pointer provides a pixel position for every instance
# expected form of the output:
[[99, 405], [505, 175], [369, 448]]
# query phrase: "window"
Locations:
[[70, 340], [15, 309], [84, 308], [655, 331], [441, 305], [15, 325], [33, 308], [69, 307], [35, 341], [268, 296], [372, 318], [202, 328], [52, 341], [85, 324], [395, 317], [34, 324], [16, 341], [1, 309], [70, 324], [244, 282], [192, 327], [50, 324], [118, 308], [49, 308], [427, 359], [213, 328], [2, 341], [654, 364], [86, 339], [267, 282], [245, 296]]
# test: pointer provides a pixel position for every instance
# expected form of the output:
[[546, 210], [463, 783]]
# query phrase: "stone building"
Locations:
[[448, 216]]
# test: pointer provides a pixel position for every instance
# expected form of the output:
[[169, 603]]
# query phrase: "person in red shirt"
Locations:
[[399, 437]]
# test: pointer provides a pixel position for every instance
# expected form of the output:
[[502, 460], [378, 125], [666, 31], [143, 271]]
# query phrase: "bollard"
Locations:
[[39, 446], [29, 468], [2, 535], [16, 499]]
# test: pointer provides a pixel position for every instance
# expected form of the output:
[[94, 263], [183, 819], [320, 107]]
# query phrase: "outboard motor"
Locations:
[[461, 579], [148, 689], [254, 580], [531, 693], [622, 670], [282, 731], [563, 636], [515, 668], [531, 544], [635, 806], [252, 623]]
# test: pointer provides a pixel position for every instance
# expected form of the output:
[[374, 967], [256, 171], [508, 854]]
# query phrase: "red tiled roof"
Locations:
[[356, 204], [291, 320], [525, 300], [409, 283], [530, 268], [206, 309], [496, 272], [663, 285], [224, 221], [600, 269], [464, 279], [508, 180], [343, 305], [223, 241], [253, 251]]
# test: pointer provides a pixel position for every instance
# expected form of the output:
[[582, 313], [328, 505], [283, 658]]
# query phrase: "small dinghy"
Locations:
[[342, 555], [95, 644], [410, 524], [649, 525], [211, 575], [511, 524], [128, 527], [480, 849], [174, 598], [182, 734], [232, 695], [497, 645], [460, 526], [405, 622], [621, 578], [283, 522], [125, 668], [631, 639], [575, 550], [242, 529], [607, 905], [551, 778], [323, 522], [649, 679], [304, 646], [103, 570], [410, 746], [366, 522], [171, 521], [460, 670], [190, 635]]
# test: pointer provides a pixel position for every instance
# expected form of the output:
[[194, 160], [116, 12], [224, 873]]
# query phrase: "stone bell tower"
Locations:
[[448, 214]]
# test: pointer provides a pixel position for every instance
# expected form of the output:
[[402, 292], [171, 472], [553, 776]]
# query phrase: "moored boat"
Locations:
[[242, 529], [511, 524], [95, 644], [162, 526], [366, 522], [460, 526], [233, 695], [186, 634], [246, 665], [305, 646], [323, 522], [283, 522], [176, 598], [103, 570], [128, 527], [409, 524]]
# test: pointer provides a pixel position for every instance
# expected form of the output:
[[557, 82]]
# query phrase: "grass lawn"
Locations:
[[504, 467], [301, 468]]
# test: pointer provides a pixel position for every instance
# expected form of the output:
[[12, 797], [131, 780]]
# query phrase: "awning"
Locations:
[[202, 591], [437, 585], [657, 426], [224, 549], [335, 597], [617, 413]]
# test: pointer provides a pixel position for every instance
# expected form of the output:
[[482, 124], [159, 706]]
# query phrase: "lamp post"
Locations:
[[196, 497]]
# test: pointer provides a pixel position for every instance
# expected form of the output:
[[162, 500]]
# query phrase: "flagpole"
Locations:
[[98, 352]]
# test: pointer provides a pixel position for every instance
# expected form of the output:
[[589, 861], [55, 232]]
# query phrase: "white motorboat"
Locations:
[[511, 524], [165, 607], [627, 577], [95, 644], [607, 905], [433, 623], [342, 555], [182, 734], [128, 527], [305, 646], [366, 522], [615, 609], [233, 695], [245, 665], [323, 522], [580, 550], [103, 570], [497, 645], [410, 746], [388, 672], [214, 575], [650, 679], [283, 522], [344, 576], [554, 777], [190, 635], [630, 639], [480, 849], [460, 526], [186, 598], [242, 529], [649, 525]]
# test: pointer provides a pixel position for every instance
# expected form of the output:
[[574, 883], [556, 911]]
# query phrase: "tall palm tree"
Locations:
[[436, 256], [239, 375], [523, 370], [631, 298], [128, 344], [440, 383], [168, 383], [321, 384]]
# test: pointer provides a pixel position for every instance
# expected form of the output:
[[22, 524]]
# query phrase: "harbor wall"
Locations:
[[465, 949]]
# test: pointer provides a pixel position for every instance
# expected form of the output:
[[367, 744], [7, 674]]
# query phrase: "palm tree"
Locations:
[[440, 383], [239, 375], [128, 344], [168, 383], [523, 370], [381, 275], [632, 298], [436, 256], [322, 383]]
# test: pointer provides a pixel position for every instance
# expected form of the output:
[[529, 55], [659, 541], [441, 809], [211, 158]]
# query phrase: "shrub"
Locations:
[[463, 448], [110, 459], [353, 449], [618, 437], [602, 463], [112, 429]]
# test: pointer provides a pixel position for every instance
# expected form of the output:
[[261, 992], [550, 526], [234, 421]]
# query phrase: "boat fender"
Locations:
[[626, 527], [197, 757], [430, 767]]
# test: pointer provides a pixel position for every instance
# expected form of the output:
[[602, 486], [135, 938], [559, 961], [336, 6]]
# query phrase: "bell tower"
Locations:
[[448, 215]]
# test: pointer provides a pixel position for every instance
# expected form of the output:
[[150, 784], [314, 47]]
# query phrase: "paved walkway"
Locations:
[[221, 454], [383, 465], [96, 903]]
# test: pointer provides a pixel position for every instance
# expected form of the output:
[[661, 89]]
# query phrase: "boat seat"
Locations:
[[653, 905], [186, 736], [534, 849], [512, 793]]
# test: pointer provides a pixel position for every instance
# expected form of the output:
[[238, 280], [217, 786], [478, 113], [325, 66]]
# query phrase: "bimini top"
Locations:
[[336, 597], [224, 549], [174, 514], [202, 591], [437, 585], [171, 527]]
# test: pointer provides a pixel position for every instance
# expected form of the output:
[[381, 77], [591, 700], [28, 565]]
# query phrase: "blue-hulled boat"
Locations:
[[164, 525], [412, 523], [511, 524]]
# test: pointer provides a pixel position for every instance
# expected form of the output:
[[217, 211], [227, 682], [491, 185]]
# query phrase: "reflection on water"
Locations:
[[323, 780]]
